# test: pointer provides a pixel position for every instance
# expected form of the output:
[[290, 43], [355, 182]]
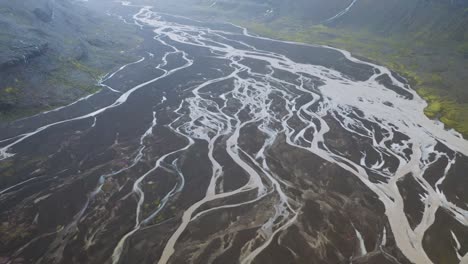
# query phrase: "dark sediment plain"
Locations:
[[221, 147]]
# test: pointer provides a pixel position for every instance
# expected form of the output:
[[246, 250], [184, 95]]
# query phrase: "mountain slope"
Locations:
[[53, 51]]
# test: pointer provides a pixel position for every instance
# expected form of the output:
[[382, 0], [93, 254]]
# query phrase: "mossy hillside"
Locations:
[[450, 112], [9, 91], [8, 116], [69, 75], [74, 75], [70, 69], [84, 73], [82, 45], [9, 95], [435, 69], [463, 49]]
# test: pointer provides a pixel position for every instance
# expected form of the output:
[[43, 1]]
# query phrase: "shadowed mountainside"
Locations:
[[54, 51]]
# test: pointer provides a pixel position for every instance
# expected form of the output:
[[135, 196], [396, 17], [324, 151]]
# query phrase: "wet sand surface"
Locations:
[[217, 146]]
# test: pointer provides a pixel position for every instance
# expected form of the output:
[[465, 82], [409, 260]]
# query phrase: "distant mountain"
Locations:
[[383, 16]]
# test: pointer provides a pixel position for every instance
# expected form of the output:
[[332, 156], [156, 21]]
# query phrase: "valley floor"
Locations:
[[216, 146]]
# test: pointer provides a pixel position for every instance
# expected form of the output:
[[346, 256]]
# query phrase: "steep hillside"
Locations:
[[430, 18], [53, 51]]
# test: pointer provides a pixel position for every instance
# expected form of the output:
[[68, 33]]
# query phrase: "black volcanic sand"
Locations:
[[58, 217]]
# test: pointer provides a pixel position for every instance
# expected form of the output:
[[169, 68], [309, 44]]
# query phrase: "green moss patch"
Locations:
[[450, 112]]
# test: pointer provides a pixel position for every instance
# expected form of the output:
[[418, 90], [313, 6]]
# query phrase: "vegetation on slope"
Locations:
[[54, 52]]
